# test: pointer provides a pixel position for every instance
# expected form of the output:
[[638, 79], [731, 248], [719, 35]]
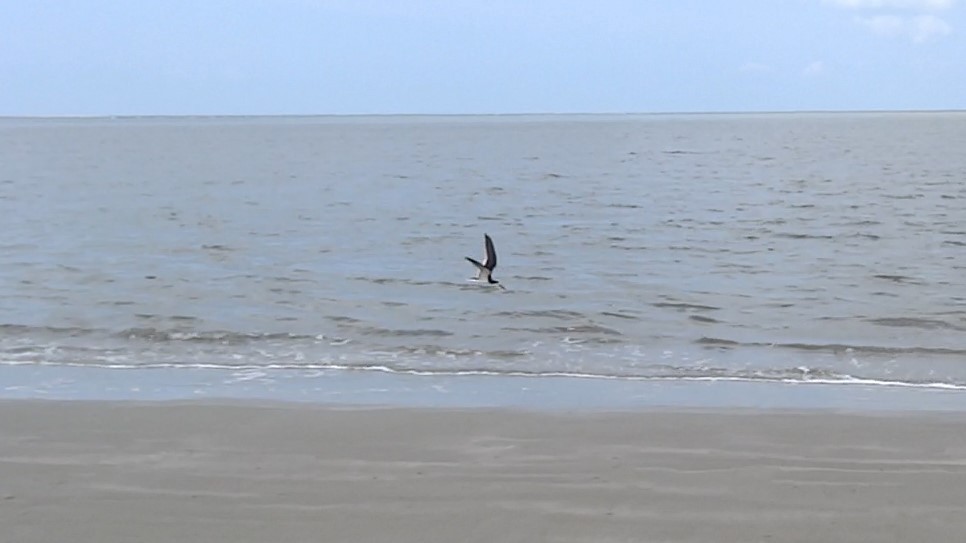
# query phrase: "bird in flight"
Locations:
[[485, 270]]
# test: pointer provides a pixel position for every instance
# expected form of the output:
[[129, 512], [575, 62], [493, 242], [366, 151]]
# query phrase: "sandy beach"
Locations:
[[126, 471]]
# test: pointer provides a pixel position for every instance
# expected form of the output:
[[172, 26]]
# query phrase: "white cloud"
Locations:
[[925, 27], [920, 28], [921, 5], [814, 69], [884, 25], [915, 20]]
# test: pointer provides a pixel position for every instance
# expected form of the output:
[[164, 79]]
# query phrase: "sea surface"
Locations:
[[222, 255]]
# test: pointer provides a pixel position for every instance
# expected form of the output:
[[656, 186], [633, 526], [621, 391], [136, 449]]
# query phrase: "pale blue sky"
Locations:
[[167, 57]]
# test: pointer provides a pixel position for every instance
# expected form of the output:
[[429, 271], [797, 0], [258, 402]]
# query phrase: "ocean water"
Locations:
[[767, 248]]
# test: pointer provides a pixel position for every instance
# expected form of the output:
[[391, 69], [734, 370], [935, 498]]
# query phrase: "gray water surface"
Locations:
[[779, 247]]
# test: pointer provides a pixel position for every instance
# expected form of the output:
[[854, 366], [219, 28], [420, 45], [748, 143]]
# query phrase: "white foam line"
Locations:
[[845, 380]]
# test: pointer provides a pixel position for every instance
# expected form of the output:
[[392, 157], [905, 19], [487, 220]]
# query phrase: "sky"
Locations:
[[269, 57]]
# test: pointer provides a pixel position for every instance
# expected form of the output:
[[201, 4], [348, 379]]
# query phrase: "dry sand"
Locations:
[[123, 472]]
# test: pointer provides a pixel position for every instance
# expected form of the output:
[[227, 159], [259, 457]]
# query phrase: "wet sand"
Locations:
[[126, 471]]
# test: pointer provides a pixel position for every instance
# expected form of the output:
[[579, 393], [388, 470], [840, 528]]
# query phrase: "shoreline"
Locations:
[[91, 471], [390, 389]]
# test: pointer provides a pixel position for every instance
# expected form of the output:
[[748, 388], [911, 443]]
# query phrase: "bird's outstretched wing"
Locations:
[[480, 268], [490, 262]]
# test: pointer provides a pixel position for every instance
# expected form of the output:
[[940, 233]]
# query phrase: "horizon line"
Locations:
[[514, 114]]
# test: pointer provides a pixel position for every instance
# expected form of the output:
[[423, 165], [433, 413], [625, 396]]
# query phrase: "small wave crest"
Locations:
[[214, 336], [151, 334], [833, 347], [560, 314], [577, 329]]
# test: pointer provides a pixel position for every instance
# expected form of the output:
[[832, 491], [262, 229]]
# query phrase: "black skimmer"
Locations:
[[485, 270]]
